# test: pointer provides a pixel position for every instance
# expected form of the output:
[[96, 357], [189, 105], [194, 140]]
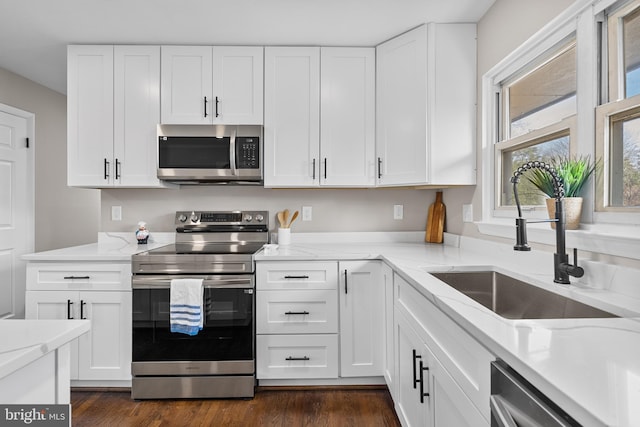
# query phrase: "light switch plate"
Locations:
[[116, 213], [307, 213], [398, 211], [467, 213]]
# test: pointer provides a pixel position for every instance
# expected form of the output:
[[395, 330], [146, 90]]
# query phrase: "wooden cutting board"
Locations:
[[435, 220]]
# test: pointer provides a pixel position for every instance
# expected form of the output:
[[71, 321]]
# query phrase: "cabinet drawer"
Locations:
[[78, 276], [296, 275], [297, 356], [297, 312], [461, 355]]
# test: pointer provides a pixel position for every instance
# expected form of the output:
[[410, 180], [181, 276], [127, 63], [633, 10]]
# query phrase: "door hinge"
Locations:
[[27, 142]]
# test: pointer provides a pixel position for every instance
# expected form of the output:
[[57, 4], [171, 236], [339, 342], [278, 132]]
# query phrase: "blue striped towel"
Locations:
[[185, 306]]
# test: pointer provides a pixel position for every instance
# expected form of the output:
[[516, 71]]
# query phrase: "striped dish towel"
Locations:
[[185, 306]]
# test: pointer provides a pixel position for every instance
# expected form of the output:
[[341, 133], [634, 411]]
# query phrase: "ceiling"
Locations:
[[34, 33]]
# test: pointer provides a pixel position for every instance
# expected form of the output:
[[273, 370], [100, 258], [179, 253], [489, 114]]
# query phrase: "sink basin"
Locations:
[[514, 299]]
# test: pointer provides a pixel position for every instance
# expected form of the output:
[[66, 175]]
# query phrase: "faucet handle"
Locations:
[[575, 270]]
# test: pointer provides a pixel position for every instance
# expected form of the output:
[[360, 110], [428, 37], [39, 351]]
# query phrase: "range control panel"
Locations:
[[221, 218]]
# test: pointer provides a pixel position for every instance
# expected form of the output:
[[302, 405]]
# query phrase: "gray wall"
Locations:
[[64, 216]]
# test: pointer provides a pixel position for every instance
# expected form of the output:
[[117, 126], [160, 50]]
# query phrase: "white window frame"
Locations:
[[615, 237]]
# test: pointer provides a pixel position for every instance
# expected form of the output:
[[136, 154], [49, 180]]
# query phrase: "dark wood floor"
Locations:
[[290, 408]]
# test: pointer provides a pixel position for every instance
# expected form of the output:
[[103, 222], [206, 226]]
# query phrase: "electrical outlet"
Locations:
[[398, 211], [467, 213], [116, 213], [307, 213]]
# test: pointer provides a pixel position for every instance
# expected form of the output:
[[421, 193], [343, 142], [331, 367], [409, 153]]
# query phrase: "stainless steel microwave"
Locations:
[[210, 159]]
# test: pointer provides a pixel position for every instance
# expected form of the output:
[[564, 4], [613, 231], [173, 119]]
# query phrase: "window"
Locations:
[[539, 108], [618, 121]]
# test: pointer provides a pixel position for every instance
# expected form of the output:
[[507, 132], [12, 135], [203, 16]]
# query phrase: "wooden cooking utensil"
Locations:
[[293, 218], [435, 220], [285, 217], [280, 216]]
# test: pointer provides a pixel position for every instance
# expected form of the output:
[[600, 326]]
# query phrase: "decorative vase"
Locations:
[[572, 212]]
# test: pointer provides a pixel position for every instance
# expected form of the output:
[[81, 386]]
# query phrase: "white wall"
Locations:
[[64, 216]]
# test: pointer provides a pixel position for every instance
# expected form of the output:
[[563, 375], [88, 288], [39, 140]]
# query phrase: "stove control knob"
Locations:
[[259, 218], [182, 218], [194, 217], [248, 218]]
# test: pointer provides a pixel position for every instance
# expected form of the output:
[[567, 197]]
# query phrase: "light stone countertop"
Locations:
[[24, 341], [590, 367]]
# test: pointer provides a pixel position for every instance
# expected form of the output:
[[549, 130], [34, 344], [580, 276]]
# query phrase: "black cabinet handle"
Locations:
[[82, 303], [106, 169], [297, 358], [205, 106], [325, 168], [314, 169], [346, 284], [295, 312], [117, 169], [379, 167], [69, 304], [416, 356], [77, 277], [217, 101], [422, 393], [296, 277]]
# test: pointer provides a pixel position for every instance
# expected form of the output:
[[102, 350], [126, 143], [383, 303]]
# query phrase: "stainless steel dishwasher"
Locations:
[[516, 403]]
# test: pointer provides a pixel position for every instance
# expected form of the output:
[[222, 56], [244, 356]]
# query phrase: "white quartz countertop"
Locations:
[[590, 367], [24, 341]]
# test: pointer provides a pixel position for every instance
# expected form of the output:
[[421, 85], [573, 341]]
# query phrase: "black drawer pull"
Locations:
[[416, 356], [296, 312], [82, 303], [422, 393], [297, 358], [69, 304], [296, 277], [77, 277]]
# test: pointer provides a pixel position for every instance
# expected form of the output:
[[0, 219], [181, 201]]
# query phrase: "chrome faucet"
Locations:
[[561, 267]]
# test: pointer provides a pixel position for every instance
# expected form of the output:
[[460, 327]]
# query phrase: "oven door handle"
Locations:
[[155, 282]]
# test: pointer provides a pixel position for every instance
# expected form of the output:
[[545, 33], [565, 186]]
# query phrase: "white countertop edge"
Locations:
[[24, 341]]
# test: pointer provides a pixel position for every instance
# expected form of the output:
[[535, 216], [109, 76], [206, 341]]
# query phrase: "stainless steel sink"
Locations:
[[514, 299]]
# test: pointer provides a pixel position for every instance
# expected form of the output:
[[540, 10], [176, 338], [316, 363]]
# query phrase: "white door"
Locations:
[[361, 319], [105, 352], [55, 305], [347, 110], [291, 116], [237, 85], [186, 86], [16, 210]]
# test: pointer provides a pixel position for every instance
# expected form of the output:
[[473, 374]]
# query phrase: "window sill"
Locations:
[[616, 240]]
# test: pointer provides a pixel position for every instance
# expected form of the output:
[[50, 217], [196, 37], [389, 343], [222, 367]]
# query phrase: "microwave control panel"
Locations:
[[247, 152]]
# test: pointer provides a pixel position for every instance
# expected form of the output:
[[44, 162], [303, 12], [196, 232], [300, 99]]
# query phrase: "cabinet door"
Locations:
[[292, 116], [361, 305], [237, 85], [55, 305], [386, 276], [90, 116], [347, 111], [402, 109], [412, 409], [136, 115], [186, 86], [105, 352], [450, 406]]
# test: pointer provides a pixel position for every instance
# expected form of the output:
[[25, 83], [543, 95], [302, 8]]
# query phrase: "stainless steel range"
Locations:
[[219, 361]]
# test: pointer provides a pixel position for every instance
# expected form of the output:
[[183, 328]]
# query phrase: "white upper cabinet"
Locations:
[[347, 117], [212, 85], [291, 116], [113, 105], [426, 106], [319, 117]]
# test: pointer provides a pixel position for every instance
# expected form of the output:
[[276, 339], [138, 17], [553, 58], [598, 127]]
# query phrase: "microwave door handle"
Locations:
[[232, 154]]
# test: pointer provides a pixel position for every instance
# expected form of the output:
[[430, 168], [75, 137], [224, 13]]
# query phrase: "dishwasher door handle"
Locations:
[[500, 413]]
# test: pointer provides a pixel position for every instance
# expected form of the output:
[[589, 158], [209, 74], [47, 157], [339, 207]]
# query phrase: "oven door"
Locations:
[[225, 345]]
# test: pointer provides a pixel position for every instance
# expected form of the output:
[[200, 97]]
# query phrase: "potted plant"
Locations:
[[574, 173]]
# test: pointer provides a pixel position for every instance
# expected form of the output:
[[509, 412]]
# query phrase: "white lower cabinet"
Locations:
[[386, 275], [297, 356], [361, 295], [442, 373], [87, 291]]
